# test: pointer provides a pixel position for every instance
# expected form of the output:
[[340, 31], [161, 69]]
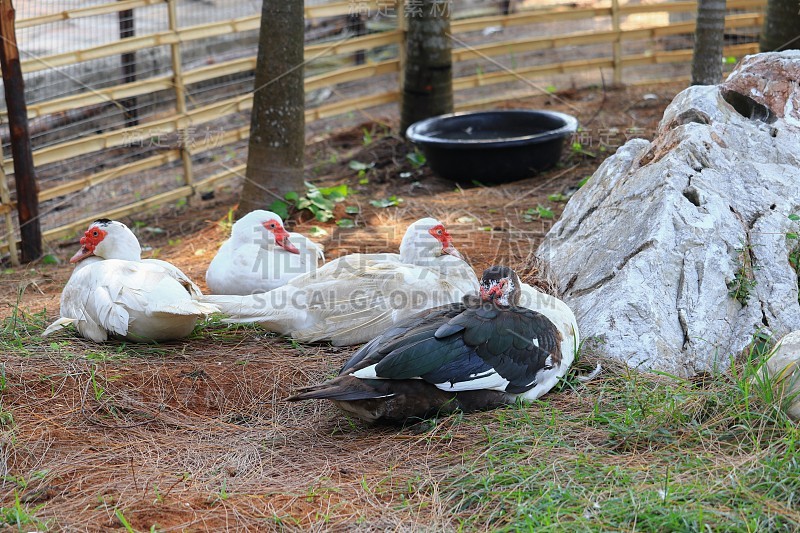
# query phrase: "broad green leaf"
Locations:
[[280, 208]]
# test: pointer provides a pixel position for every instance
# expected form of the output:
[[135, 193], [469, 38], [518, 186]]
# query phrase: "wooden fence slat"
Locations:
[[345, 8], [137, 207], [351, 45], [592, 37], [99, 96], [180, 93], [352, 104], [6, 208], [522, 18], [617, 43], [491, 78], [90, 11], [142, 42], [687, 7], [218, 70], [352, 74], [205, 73], [336, 9], [62, 189]]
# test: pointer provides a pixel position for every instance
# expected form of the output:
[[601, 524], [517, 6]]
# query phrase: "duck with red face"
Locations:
[[355, 297], [113, 292], [260, 256]]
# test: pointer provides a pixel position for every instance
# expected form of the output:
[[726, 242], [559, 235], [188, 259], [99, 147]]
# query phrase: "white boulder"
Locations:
[[675, 252]]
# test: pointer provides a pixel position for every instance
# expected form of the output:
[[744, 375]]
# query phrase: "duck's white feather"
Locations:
[[357, 297], [138, 301], [251, 261], [564, 320], [118, 294]]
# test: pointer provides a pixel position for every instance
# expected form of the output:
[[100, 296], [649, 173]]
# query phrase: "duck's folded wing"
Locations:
[[178, 275], [88, 301], [479, 348], [419, 326]]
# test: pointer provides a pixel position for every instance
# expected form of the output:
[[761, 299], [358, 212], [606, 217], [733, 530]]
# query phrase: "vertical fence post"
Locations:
[[128, 59], [24, 174], [615, 24], [5, 200], [356, 24], [180, 95]]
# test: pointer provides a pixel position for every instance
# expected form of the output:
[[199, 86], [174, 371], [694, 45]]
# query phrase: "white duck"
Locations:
[[558, 313], [260, 255], [356, 297], [112, 291]]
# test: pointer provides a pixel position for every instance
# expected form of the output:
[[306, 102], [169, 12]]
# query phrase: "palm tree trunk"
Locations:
[[707, 59], [428, 77], [781, 29], [277, 125]]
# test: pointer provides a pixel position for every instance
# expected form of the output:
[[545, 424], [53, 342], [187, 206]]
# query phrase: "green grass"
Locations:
[[650, 454], [627, 451], [21, 516]]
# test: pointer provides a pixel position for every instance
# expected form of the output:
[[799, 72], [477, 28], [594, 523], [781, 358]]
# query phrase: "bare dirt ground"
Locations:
[[195, 435]]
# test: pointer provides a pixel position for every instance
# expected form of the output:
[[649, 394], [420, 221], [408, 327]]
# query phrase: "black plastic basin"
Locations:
[[492, 146]]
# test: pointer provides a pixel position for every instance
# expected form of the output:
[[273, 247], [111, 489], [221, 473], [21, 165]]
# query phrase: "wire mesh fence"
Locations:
[[135, 103]]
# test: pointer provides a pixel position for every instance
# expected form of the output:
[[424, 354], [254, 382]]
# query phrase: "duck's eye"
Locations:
[[272, 225], [438, 232], [95, 234]]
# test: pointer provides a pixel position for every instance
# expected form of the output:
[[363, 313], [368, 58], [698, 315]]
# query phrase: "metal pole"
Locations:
[[128, 59], [24, 174]]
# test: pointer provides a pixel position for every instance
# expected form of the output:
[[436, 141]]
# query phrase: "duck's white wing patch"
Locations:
[[485, 380]]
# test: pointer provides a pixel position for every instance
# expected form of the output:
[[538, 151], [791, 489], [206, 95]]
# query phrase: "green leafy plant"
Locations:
[[227, 222], [124, 521], [319, 200], [345, 223], [743, 281], [362, 169], [316, 231], [794, 255], [49, 259], [557, 197], [578, 149], [393, 200], [416, 158], [537, 213], [19, 516]]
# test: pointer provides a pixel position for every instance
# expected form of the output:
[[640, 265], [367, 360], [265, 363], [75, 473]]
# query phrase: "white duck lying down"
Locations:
[[354, 298], [260, 255], [478, 354], [112, 291]]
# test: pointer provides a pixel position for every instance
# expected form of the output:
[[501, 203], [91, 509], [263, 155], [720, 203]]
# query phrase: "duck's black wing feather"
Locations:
[[419, 326], [512, 344]]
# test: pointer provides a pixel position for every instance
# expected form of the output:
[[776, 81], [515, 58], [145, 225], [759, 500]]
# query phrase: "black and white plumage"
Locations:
[[474, 355]]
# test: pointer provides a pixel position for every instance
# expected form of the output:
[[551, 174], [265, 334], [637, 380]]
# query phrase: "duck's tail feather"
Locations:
[[345, 388], [61, 323]]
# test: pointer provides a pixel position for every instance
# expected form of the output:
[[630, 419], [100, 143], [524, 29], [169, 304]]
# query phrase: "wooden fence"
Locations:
[[608, 29]]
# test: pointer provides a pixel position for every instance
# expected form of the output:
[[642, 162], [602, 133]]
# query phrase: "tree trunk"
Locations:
[[277, 125], [707, 59], [781, 29], [428, 77], [24, 172]]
